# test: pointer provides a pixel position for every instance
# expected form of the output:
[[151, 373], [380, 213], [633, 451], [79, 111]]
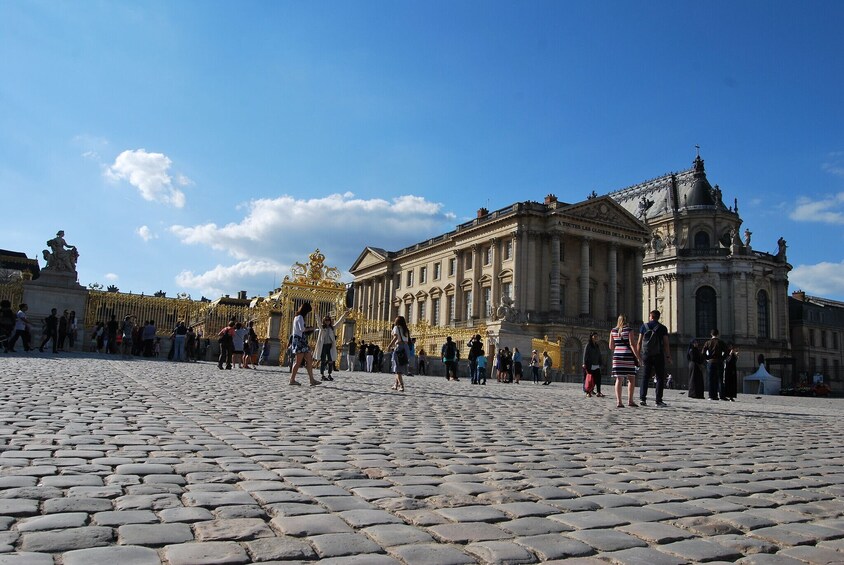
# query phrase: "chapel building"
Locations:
[[701, 274]]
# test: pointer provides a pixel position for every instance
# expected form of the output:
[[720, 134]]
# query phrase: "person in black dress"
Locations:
[[695, 357]]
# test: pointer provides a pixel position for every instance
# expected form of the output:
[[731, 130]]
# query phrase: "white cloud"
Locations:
[[284, 230], [339, 224], [821, 279], [228, 279], [828, 210], [834, 164], [146, 233], [148, 172], [111, 277]]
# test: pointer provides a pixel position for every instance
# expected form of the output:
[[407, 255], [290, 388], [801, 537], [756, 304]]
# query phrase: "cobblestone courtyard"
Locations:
[[134, 462]]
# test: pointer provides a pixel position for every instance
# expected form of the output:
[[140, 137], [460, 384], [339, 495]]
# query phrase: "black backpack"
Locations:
[[652, 341], [450, 350]]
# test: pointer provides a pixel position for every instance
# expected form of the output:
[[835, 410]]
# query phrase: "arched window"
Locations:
[[705, 311], [762, 315], [702, 240]]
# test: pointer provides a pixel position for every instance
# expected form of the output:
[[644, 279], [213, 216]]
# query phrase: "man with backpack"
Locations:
[[655, 355], [450, 358]]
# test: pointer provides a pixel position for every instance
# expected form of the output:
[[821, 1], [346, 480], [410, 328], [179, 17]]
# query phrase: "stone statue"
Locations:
[[782, 246], [747, 234], [63, 256], [506, 311]]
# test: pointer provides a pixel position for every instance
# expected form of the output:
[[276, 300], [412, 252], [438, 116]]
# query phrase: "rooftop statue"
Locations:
[[61, 256]]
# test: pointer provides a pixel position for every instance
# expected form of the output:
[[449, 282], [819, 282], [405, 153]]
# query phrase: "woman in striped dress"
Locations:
[[625, 360]]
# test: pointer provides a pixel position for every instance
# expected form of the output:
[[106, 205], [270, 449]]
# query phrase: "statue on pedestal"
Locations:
[[61, 256], [507, 310]]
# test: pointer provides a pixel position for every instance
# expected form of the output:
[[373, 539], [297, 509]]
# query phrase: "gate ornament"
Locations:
[[315, 273]]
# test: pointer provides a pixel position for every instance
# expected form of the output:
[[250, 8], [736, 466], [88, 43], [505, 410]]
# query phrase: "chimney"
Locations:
[[550, 199], [242, 295], [799, 295], [482, 212]]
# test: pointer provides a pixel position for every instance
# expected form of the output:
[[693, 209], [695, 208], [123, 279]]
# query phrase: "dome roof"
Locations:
[[701, 191]]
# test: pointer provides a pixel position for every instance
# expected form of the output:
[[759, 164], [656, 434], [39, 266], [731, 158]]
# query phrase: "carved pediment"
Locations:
[[369, 257], [605, 211]]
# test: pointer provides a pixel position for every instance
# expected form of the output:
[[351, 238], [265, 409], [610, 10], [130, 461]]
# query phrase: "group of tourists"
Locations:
[[719, 362], [56, 330], [239, 346]]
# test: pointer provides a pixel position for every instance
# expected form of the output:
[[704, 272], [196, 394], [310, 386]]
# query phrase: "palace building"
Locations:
[[529, 271], [558, 271]]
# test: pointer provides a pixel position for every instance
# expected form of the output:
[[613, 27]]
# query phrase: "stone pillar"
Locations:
[[459, 308], [584, 276], [273, 331], [389, 289], [638, 313], [554, 290], [476, 283], [612, 269], [495, 260]]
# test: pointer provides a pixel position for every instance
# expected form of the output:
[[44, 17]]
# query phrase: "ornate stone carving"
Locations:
[[60, 257], [507, 311]]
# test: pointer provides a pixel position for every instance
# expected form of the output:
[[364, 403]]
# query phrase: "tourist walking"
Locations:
[[625, 360], [655, 355], [7, 323], [401, 351], [475, 346], [128, 328], [422, 362], [517, 365], [481, 367], [592, 364], [326, 345], [730, 390], [50, 332], [251, 345], [714, 350], [351, 353], [148, 337], [696, 360], [301, 349], [546, 367], [225, 338], [450, 359], [240, 334], [534, 366], [179, 336], [63, 324], [71, 329], [23, 330]]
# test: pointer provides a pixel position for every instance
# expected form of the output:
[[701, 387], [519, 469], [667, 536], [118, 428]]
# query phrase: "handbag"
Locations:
[[590, 383]]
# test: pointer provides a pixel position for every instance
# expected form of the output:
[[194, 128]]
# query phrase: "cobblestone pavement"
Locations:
[[134, 462]]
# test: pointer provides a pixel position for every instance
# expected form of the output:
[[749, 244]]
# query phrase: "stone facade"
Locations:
[[817, 327], [526, 271], [702, 274]]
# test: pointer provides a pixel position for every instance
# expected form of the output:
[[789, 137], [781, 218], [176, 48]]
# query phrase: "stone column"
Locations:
[[476, 282], [459, 258], [584, 276], [495, 288], [612, 268], [390, 291], [554, 290], [638, 313]]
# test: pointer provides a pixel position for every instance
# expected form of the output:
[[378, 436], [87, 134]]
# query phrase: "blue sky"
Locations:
[[203, 147]]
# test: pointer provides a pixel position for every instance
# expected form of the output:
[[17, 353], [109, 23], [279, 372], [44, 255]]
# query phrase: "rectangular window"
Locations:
[[487, 302], [467, 300], [435, 305], [506, 289], [488, 255], [438, 267], [823, 339], [835, 340], [451, 309], [408, 313], [422, 312], [469, 261], [812, 338], [410, 277], [508, 249], [423, 275], [452, 267]]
